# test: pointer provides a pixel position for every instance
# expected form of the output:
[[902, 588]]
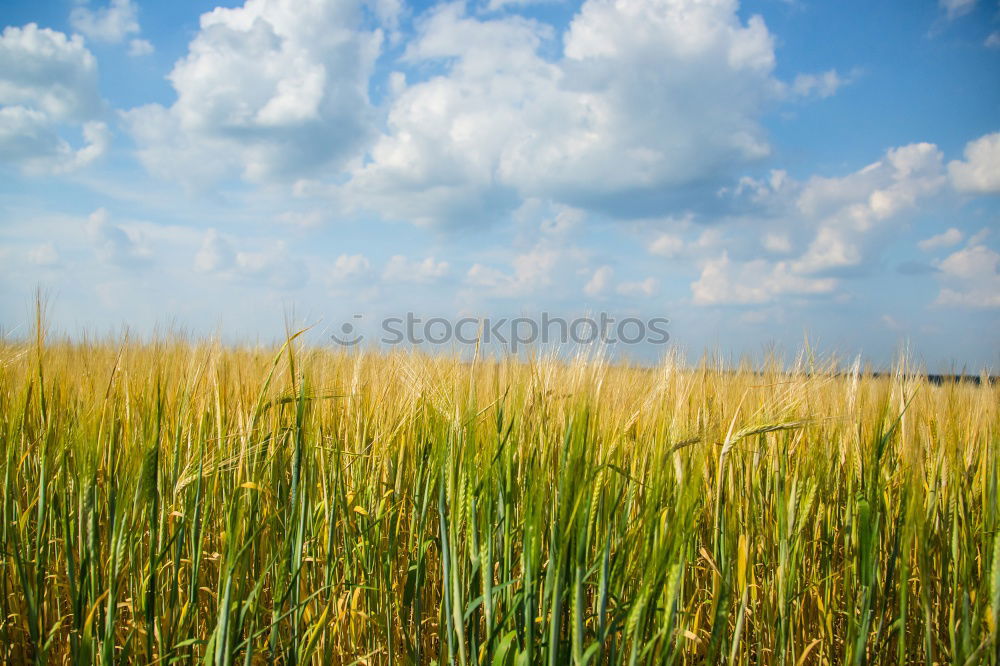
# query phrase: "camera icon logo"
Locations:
[[348, 334]]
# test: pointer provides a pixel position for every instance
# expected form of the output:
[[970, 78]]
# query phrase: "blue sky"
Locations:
[[757, 172]]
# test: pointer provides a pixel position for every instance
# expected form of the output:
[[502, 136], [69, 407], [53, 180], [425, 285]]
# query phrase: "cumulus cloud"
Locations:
[[824, 228], [115, 245], [722, 282], [851, 209], [778, 243], [645, 96], [271, 89], [140, 47], [350, 267], [818, 85], [831, 249], [951, 236], [215, 253], [979, 173], [631, 103], [565, 220], [480, 275], [47, 71], [666, 245], [599, 282], [48, 85], [759, 189], [112, 24], [29, 139], [883, 188], [276, 266], [972, 278], [542, 267], [401, 269]]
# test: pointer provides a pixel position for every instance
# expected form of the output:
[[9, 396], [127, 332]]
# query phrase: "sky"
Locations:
[[766, 175]]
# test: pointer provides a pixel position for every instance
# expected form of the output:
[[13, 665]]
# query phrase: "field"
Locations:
[[183, 502]]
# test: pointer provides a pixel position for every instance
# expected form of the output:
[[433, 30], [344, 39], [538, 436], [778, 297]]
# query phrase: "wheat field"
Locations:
[[178, 501]]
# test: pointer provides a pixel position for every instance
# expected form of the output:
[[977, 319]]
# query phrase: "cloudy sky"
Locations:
[[757, 172]]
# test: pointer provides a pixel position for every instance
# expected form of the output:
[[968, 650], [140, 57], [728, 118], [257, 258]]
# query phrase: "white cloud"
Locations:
[[599, 282], [29, 139], [970, 263], [49, 72], [276, 266], [972, 278], [818, 85], [480, 275], [646, 95], [777, 242], [112, 23], [350, 267], [140, 47], [980, 172], [882, 188], [758, 281], [215, 253], [760, 189], [666, 245], [956, 8], [832, 248], [268, 90], [48, 83], [401, 269], [951, 236], [824, 228], [992, 40], [645, 287], [710, 238], [98, 139], [675, 246], [534, 269], [543, 267], [115, 245], [851, 209], [564, 221]]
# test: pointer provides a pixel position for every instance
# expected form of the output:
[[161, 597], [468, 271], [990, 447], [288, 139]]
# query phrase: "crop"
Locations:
[[175, 501]]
